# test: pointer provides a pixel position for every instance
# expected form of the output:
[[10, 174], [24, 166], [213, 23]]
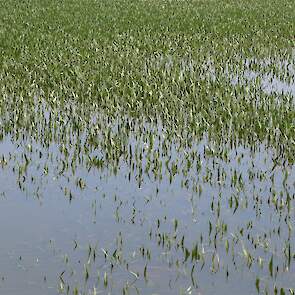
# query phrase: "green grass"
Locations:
[[96, 53]]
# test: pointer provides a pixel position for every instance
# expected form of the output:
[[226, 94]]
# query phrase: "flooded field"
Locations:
[[147, 147]]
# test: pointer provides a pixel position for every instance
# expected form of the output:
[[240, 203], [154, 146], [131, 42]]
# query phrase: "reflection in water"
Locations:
[[214, 216]]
